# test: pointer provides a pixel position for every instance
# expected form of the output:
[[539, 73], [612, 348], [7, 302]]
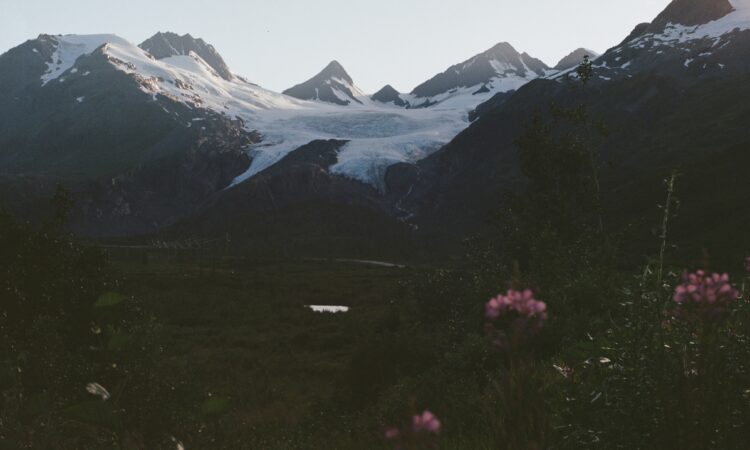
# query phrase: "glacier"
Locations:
[[378, 134]]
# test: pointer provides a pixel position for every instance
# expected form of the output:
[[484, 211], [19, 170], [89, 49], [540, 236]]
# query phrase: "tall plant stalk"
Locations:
[[671, 188]]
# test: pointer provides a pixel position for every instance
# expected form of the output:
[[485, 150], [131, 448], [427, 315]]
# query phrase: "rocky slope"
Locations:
[[332, 85]]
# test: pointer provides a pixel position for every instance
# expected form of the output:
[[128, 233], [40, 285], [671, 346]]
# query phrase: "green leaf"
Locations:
[[215, 406], [108, 299]]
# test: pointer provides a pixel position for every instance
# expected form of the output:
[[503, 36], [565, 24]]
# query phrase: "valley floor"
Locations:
[[242, 332]]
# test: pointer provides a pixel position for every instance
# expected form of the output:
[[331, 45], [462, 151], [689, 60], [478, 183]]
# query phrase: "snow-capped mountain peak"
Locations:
[[504, 59], [334, 69], [332, 85], [164, 45], [70, 47], [691, 13], [698, 19], [184, 77], [500, 69], [692, 38]]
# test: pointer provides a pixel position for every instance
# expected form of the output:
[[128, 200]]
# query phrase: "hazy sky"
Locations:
[[279, 43]]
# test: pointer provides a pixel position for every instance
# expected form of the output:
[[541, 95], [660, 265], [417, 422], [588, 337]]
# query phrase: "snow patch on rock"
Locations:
[[71, 47]]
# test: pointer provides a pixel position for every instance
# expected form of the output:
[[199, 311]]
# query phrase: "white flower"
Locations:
[[98, 390], [178, 443]]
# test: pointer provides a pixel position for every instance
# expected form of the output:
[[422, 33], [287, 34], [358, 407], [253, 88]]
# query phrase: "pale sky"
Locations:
[[279, 43]]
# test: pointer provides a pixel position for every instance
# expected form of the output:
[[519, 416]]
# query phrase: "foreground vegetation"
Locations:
[[136, 354]]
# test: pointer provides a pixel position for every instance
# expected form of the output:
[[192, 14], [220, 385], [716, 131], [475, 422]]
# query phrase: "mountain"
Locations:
[[332, 85], [690, 39], [175, 94], [499, 69], [55, 91], [165, 45], [575, 58], [152, 137], [145, 142], [119, 128], [671, 100], [691, 13], [387, 94]]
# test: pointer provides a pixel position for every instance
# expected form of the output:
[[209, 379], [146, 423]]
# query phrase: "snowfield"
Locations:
[[379, 134]]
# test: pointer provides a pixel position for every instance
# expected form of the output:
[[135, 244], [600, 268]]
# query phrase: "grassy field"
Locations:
[[151, 346], [241, 332]]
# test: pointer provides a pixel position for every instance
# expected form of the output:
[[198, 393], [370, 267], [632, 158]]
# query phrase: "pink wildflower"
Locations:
[[392, 433], [711, 292], [427, 421], [521, 303]]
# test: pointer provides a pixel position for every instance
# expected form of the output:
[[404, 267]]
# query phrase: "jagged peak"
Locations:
[[388, 89], [692, 12], [501, 60], [175, 41], [166, 44], [683, 12], [501, 48], [333, 85], [389, 94], [334, 69], [689, 13]]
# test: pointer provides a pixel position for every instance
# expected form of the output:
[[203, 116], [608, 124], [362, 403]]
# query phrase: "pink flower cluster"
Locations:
[[714, 291], [523, 304], [426, 422], [421, 424]]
